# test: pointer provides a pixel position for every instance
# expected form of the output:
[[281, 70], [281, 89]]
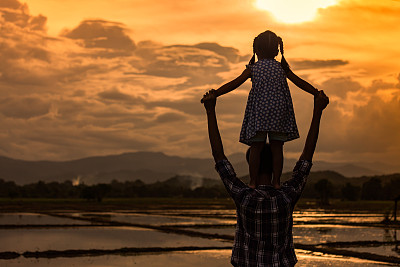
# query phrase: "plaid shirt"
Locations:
[[264, 218]]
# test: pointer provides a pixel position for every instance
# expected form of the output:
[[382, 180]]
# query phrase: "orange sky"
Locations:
[[97, 77]]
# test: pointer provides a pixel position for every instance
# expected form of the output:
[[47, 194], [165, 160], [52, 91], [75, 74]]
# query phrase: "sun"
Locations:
[[293, 11]]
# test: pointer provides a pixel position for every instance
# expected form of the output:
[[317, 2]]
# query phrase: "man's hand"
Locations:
[[321, 101], [209, 100]]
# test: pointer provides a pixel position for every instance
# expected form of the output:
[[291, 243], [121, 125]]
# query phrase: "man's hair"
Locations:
[[265, 159]]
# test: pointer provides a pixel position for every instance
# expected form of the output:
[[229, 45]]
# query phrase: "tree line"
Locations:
[[322, 189], [173, 187]]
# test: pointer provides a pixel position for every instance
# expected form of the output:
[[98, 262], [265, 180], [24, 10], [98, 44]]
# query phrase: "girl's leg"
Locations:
[[277, 162], [254, 162]]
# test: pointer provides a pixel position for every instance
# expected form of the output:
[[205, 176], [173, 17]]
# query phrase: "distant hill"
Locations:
[[146, 166], [346, 169], [336, 178]]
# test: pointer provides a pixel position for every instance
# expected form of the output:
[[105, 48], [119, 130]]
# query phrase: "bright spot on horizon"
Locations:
[[294, 11]]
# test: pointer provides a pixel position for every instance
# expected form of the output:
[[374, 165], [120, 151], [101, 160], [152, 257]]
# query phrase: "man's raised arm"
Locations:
[[320, 103], [209, 100]]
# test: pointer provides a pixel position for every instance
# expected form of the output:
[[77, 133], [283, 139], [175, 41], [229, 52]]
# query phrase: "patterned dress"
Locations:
[[269, 105]]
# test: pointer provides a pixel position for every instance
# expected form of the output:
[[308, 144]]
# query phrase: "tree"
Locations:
[[350, 192], [372, 189], [8, 189], [324, 190]]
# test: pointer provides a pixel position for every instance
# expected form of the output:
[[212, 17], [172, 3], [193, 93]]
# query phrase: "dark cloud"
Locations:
[[103, 34], [371, 128], [379, 85], [230, 53], [169, 117], [93, 91], [200, 63], [13, 4], [72, 110], [362, 125], [340, 86], [23, 108], [14, 51], [316, 64], [114, 95], [13, 11], [189, 105]]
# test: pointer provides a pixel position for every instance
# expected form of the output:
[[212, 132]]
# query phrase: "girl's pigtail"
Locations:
[[280, 42], [253, 59], [284, 64]]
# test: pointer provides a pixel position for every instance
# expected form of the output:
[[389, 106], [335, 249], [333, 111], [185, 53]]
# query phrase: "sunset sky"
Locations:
[[82, 78]]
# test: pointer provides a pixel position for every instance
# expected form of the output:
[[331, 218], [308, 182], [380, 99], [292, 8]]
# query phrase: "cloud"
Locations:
[[231, 54], [13, 11], [24, 107], [169, 117], [96, 90], [12, 4], [359, 123], [341, 86], [375, 126], [115, 95], [316, 64], [200, 64], [103, 34]]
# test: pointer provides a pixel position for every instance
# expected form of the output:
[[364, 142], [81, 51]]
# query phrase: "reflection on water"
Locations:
[[387, 250], [306, 259], [162, 217], [21, 240], [321, 217], [314, 234], [209, 258], [34, 218], [156, 219], [204, 221]]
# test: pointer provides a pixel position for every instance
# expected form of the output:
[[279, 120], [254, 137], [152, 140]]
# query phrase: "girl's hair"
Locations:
[[266, 44]]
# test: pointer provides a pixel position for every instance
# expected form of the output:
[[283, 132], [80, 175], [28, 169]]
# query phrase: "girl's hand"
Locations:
[[316, 92], [321, 100], [209, 92], [209, 100]]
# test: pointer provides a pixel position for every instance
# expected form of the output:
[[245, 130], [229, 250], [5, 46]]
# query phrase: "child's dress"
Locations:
[[269, 105]]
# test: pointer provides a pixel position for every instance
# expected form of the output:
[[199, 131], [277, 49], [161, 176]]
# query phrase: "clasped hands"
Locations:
[[209, 99]]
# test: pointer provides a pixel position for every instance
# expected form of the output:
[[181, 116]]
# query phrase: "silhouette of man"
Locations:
[[264, 214]]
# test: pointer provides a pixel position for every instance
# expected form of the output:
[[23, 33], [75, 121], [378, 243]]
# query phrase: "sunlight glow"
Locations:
[[294, 11]]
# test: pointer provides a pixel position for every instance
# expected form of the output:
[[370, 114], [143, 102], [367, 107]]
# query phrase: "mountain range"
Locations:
[[151, 167]]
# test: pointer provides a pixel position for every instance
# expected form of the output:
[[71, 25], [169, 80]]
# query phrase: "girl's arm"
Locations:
[[299, 82], [232, 85]]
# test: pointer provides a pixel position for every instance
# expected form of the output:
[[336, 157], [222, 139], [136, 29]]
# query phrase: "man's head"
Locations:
[[265, 160]]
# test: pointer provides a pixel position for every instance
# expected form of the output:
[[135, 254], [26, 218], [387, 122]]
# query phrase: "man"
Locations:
[[264, 214]]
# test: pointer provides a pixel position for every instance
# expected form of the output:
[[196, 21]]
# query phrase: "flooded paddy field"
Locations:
[[178, 237], [209, 258]]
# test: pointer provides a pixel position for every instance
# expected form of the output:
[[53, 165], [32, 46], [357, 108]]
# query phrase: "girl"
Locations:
[[269, 111]]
